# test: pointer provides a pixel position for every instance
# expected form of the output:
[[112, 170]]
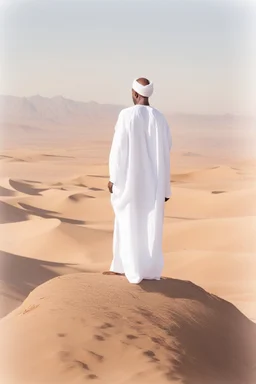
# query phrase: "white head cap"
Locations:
[[143, 90]]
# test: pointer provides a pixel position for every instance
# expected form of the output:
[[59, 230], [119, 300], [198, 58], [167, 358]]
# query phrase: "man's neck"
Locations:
[[143, 102]]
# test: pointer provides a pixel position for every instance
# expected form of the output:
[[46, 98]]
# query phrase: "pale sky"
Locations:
[[199, 54]]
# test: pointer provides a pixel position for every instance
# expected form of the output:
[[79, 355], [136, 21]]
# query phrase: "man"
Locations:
[[139, 167]]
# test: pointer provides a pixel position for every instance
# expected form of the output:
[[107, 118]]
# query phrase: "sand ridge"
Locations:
[[167, 331]]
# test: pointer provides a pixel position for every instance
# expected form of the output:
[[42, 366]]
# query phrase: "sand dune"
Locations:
[[207, 175], [185, 235], [79, 197], [211, 178], [52, 240], [56, 220], [168, 331], [6, 185], [6, 192], [67, 206], [20, 275], [220, 205], [35, 158], [11, 214], [25, 187], [230, 275]]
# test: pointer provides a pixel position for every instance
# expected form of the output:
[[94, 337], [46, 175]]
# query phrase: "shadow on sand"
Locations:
[[30, 210], [20, 275], [214, 343]]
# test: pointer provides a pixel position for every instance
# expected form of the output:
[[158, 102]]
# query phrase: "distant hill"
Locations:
[[37, 119], [54, 111]]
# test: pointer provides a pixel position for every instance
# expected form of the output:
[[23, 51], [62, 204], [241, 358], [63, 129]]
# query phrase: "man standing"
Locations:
[[139, 167]]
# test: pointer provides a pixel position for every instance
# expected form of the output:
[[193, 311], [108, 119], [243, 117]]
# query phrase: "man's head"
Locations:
[[142, 89]]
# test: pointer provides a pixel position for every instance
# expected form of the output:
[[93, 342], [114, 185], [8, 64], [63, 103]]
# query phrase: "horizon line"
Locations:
[[124, 106]]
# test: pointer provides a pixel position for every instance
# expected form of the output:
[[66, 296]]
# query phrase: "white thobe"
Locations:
[[139, 167]]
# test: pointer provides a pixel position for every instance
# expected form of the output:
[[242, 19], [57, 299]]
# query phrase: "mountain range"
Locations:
[[37, 118], [56, 110]]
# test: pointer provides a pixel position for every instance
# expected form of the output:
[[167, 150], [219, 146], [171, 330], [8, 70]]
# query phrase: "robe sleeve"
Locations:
[[118, 149], [167, 163]]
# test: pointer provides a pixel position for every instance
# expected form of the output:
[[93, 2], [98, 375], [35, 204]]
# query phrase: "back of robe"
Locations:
[[140, 164], [145, 158]]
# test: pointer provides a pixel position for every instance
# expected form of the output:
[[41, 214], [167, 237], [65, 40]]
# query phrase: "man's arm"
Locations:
[[118, 149], [167, 164]]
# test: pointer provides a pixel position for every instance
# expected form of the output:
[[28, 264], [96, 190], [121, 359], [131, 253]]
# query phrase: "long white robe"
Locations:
[[139, 166]]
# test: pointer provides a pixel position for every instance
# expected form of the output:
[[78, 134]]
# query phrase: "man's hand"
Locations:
[[110, 186], [166, 199]]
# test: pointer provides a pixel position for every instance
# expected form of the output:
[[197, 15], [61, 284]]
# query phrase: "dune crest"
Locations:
[[78, 197], [167, 331]]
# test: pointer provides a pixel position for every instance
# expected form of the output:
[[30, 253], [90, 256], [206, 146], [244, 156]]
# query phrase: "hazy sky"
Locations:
[[199, 54]]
